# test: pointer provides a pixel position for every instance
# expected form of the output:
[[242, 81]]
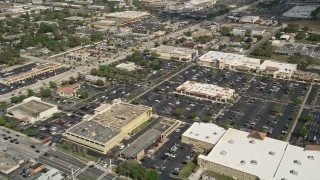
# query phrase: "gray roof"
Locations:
[[141, 143], [94, 131]]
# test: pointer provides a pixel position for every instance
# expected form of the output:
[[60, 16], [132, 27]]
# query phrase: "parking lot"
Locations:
[[259, 114], [275, 89], [6, 89], [313, 128], [167, 165]]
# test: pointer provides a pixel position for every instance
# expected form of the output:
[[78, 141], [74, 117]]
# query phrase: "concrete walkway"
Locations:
[[196, 175], [299, 114]]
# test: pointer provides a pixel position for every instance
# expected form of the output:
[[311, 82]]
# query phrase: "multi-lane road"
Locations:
[[71, 165]]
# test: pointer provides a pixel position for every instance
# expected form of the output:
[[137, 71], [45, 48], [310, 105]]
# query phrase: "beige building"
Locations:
[[32, 109], [109, 126], [203, 136], [200, 33], [39, 69], [277, 69], [206, 91], [175, 53], [229, 61], [69, 91]]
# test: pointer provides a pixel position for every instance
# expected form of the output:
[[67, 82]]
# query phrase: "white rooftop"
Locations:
[[254, 156], [206, 132], [129, 66], [174, 50], [278, 66], [298, 164], [206, 89], [128, 14], [231, 59]]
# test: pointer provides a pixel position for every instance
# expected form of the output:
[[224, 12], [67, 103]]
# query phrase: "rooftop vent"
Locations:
[[272, 153], [254, 162], [284, 179], [297, 162], [294, 172], [243, 162], [311, 157], [215, 133], [223, 153], [231, 141], [207, 137], [197, 134], [252, 142], [191, 132]]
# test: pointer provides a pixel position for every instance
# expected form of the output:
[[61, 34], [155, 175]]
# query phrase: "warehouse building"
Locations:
[[109, 126], [134, 15], [206, 91], [229, 61], [175, 53], [129, 66], [245, 156], [32, 110], [277, 69], [203, 136]]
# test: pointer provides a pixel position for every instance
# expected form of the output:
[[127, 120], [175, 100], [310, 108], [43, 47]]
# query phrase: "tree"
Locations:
[[302, 132], [65, 175], [156, 44], [278, 35], [11, 125], [2, 104], [297, 101], [56, 115], [178, 112], [31, 132], [300, 36], [306, 28], [30, 92], [193, 115], [72, 80], [136, 101], [99, 82], [308, 118], [84, 95], [3, 121], [52, 85], [45, 92], [187, 33], [14, 99], [248, 33], [96, 37], [225, 30]]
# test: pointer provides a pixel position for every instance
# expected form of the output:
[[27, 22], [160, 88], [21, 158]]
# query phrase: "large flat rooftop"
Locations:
[[30, 107], [231, 59], [174, 50], [206, 89], [237, 150], [94, 131], [141, 143], [120, 114], [205, 132]]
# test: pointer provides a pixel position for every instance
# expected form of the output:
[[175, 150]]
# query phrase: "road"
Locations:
[[23, 148], [265, 39], [71, 165]]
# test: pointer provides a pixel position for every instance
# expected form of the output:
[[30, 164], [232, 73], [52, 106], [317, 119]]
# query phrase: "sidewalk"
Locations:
[[196, 175]]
